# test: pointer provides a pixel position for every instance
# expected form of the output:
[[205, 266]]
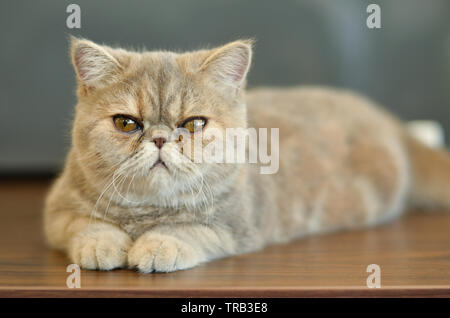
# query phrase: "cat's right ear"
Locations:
[[94, 66]]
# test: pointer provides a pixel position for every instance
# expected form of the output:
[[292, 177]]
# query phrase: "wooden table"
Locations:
[[413, 254]]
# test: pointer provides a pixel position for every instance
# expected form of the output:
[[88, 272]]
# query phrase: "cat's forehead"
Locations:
[[158, 65], [160, 87]]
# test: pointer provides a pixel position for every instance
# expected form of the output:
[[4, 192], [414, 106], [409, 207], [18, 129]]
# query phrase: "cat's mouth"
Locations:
[[159, 164]]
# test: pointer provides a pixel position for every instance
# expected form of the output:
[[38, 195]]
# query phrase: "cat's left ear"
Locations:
[[94, 65], [230, 63]]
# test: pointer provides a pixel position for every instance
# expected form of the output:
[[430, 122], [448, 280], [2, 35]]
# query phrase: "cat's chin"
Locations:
[[159, 175]]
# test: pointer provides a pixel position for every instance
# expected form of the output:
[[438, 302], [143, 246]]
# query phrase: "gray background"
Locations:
[[405, 65]]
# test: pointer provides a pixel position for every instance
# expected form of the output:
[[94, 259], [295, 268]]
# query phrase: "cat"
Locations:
[[131, 196]]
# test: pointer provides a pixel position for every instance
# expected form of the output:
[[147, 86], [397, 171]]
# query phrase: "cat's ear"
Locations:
[[94, 65], [230, 63]]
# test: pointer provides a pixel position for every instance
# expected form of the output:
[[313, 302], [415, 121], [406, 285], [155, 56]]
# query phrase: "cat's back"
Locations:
[[324, 128], [319, 115], [337, 151], [303, 106]]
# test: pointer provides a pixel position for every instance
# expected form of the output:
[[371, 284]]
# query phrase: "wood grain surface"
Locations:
[[413, 253]]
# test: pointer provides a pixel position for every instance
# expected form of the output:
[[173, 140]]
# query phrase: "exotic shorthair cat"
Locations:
[[131, 196]]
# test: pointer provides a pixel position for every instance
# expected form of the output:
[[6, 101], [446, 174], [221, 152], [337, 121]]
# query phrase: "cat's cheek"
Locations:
[[154, 252]]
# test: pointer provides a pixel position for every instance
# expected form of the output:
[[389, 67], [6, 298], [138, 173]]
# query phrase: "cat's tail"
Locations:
[[430, 166]]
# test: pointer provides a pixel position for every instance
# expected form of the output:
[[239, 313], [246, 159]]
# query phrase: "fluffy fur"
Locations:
[[344, 163]]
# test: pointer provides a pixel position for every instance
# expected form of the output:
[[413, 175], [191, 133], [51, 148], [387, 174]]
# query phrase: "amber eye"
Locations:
[[126, 124], [194, 124]]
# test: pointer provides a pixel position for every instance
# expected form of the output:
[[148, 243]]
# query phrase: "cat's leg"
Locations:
[[167, 249], [90, 244]]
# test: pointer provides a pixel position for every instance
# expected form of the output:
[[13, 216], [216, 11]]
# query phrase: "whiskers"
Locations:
[[132, 186], [204, 195], [120, 172], [193, 187]]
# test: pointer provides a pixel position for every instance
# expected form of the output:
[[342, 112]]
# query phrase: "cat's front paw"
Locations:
[[154, 252], [100, 247]]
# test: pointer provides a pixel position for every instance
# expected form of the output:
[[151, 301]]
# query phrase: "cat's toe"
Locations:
[[161, 253], [104, 250]]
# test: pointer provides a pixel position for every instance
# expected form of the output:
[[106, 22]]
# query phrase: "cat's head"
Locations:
[[130, 104]]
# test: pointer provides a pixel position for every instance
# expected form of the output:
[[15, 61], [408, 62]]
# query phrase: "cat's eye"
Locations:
[[194, 124], [126, 124]]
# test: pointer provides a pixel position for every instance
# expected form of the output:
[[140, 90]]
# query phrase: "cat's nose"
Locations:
[[159, 142]]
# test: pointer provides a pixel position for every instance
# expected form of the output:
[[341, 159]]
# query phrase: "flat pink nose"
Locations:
[[159, 142]]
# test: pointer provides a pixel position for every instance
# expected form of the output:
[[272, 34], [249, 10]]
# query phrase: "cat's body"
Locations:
[[344, 163]]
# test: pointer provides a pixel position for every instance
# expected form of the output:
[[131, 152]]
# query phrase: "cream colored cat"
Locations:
[[131, 196]]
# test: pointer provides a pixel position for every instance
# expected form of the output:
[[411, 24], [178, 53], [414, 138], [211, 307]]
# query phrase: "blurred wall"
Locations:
[[405, 65]]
